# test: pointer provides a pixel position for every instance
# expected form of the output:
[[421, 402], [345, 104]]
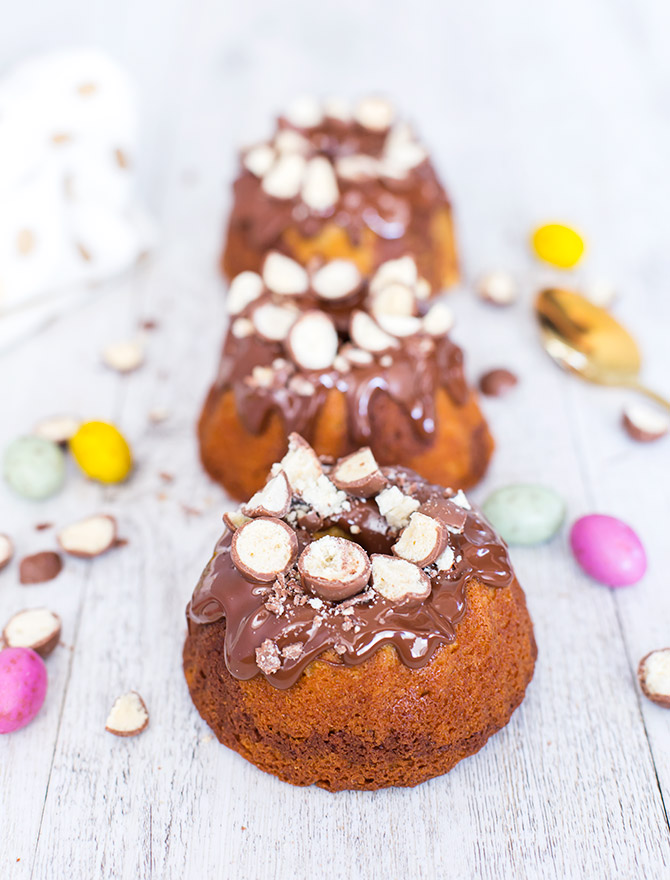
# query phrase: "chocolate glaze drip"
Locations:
[[410, 378], [355, 628], [386, 206]]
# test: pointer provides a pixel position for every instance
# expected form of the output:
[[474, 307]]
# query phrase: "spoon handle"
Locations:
[[657, 398]]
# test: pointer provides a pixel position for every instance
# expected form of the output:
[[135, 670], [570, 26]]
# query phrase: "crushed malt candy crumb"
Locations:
[[292, 652], [267, 657]]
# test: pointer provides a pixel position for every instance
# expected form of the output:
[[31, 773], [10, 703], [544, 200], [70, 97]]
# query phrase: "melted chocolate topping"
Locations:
[[391, 207], [410, 377], [302, 628]]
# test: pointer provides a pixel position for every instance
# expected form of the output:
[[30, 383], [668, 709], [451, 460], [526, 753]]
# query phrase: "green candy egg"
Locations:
[[34, 467], [525, 514]]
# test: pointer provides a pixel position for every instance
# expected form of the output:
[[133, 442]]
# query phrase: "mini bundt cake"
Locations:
[[336, 182], [357, 627], [346, 363]]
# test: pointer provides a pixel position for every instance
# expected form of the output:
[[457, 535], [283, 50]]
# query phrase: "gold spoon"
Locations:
[[585, 339]]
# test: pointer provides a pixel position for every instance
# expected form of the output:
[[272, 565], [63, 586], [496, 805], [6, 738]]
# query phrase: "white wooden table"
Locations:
[[534, 111]]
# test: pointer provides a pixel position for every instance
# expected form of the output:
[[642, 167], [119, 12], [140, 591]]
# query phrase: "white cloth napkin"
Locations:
[[69, 215]]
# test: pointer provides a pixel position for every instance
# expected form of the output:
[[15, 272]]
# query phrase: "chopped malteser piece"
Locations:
[[461, 499], [302, 386], [422, 289], [304, 112], [129, 715], [6, 550], [289, 141], [644, 423], [284, 179], [124, 357], [336, 280], [262, 377], [301, 464], [359, 474], [267, 657], [40, 567], [403, 270], [241, 328], [396, 579], [357, 168], [452, 516], [263, 548], [274, 322], [319, 186], [324, 498], [275, 606], [498, 288], [498, 382], [334, 568], [395, 507], [292, 652], [259, 159], [36, 628], [393, 299], [58, 429], [283, 275], [235, 518], [438, 320], [399, 326], [654, 676], [356, 356], [313, 341], [341, 364], [89, 537], [401, 157], [422, 541], [445, 560], [244, 289], [274, 499], [337, 108], [600, 292], [368, 335], [375, 114]]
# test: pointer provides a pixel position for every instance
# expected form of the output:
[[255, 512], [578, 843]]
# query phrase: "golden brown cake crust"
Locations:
[[380, 723], [240, 459], [393, 205], [433, 249]]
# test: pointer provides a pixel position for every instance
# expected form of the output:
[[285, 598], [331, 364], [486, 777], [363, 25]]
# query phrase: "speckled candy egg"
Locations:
[[524, 513], [23, 687], [608, 550], [34, 467]]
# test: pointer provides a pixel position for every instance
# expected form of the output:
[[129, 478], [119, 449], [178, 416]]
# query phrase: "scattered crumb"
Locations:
[[267, 657], [165, 477], [41, 526], [158, 414], [190, 511]]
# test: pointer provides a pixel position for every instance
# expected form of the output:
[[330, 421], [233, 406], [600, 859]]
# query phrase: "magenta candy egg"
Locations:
[[23, 687], [608, 550]]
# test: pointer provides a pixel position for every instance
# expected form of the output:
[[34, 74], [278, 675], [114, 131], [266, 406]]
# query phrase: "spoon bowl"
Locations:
[[585, 339]]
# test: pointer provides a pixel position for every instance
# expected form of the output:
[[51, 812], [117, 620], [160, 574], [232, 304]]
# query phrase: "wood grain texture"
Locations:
[[533, 111]]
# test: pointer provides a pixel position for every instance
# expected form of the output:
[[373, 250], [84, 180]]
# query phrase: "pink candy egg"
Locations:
[[23, 687], [608, 550]]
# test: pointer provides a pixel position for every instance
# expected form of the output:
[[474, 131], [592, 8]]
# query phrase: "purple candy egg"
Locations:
[[23, 687], [608, 550]]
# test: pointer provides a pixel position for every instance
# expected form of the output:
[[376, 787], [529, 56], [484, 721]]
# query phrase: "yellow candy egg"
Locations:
[[102, 452], [559, 245]]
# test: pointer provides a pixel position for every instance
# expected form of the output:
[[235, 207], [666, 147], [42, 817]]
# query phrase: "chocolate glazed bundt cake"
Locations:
[[345, 363], [357, 627], [341, 182]]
